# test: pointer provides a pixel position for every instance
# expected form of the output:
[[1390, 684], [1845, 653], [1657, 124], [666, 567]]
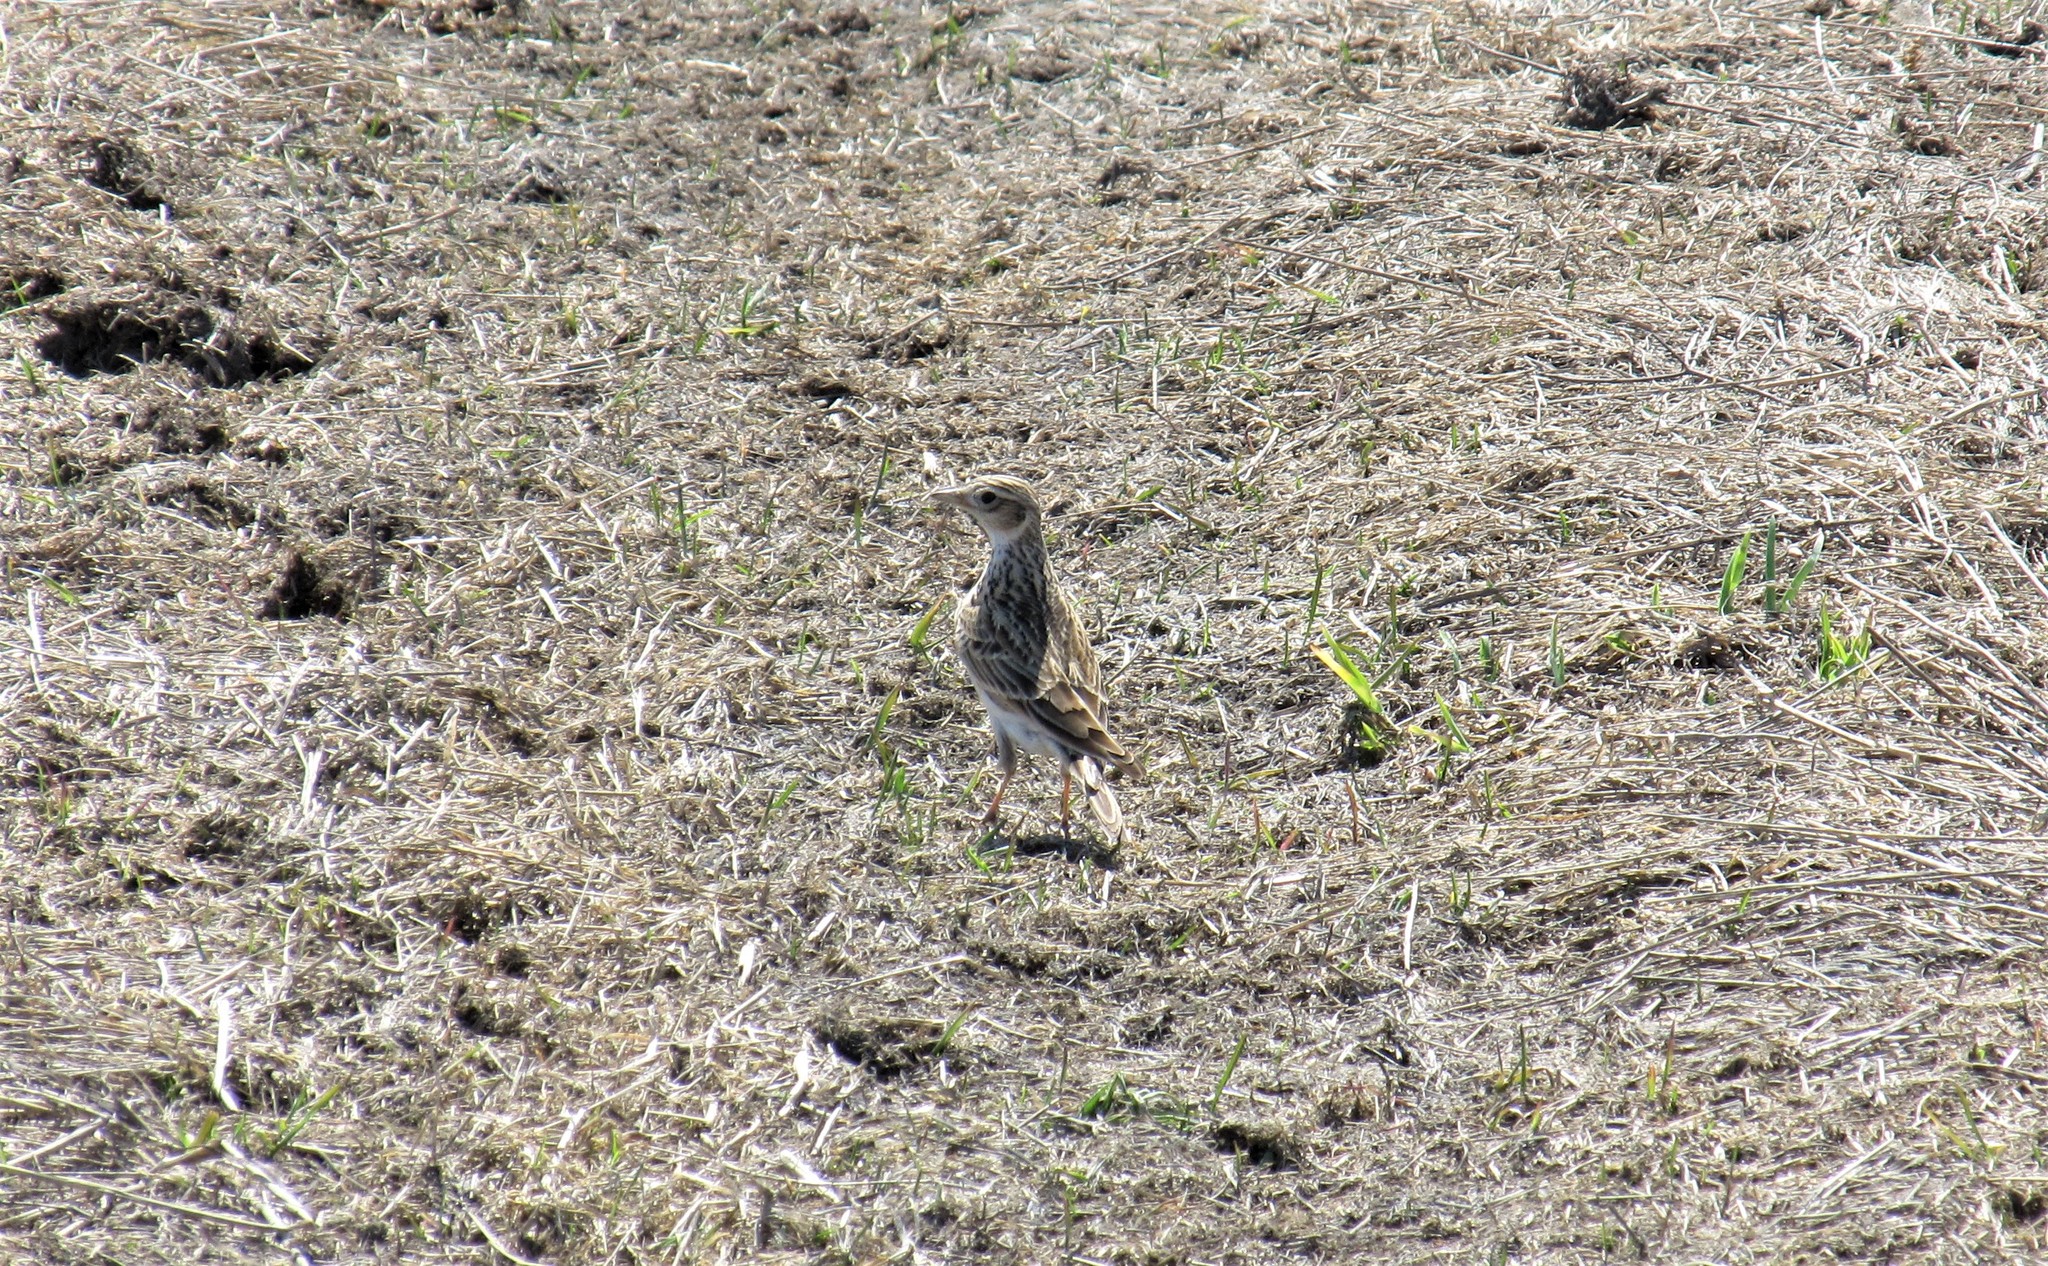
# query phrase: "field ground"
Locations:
[[481, 785]]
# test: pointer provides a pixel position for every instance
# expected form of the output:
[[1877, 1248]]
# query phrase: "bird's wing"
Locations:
[[998, 654], [1069, 699]]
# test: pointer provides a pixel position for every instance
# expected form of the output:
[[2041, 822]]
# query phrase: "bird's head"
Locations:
[[1004, 506]]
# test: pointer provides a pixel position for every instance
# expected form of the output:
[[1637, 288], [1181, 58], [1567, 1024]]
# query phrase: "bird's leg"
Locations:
[[1006, 760], [995, 806], [1066, 800]]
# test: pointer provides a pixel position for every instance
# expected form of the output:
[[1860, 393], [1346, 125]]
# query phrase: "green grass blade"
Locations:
[[1771, 596], [921, 633], [1458, 743], [1229, 1071], [882, 717], [1337, 658], [1731, 580], [1799, 578]]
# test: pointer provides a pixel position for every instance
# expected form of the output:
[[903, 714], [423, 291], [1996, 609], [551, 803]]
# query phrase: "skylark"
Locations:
[[1028, 656]]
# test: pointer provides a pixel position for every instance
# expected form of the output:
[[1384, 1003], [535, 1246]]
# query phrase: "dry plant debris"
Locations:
[[477, 790]]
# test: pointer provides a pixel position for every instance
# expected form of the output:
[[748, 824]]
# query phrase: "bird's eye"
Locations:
[[984, 498]]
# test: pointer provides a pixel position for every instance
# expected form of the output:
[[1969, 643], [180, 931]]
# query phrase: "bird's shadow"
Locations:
[[1048, 844]]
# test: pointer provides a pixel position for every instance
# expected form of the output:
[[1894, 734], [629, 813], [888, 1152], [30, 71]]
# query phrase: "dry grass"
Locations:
[[476, 795]]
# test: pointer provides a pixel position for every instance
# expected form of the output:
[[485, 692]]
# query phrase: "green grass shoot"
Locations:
[[1841, 654], [1731, 579], [1229, 1071], [920, 633], [1771, 567], [1337, 657], [1800, 577]]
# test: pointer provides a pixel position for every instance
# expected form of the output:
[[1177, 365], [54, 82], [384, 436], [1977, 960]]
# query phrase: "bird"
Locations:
[[1028, 657]]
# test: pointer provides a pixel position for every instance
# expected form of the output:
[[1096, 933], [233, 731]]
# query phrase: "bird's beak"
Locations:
[[955, 497]]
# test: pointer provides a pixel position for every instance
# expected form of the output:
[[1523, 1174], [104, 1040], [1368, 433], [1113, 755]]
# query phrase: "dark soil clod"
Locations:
[[914, 344], [1264, 1145], [888, 1048], [1596, 98], [301, 592], [1119, 167], [1711, 652], [218, 834], [847, 18], [119, 170]]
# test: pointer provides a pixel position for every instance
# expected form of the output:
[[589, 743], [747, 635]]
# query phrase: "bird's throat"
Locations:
[[1016, 569]]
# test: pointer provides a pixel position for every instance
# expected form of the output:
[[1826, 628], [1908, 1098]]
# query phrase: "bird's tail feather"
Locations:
[[1109, 815]]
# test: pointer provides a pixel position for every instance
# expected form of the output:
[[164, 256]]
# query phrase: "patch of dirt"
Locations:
[[887, 1048], [114, 338], [116, 167], [1264, 1145], [303, 590], [1597, 98]]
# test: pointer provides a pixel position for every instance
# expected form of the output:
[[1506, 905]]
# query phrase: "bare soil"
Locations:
[[482, 783]]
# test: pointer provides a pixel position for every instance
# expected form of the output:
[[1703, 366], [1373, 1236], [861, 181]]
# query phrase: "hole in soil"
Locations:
[[179, 433], [2023, 1206], [1259, 1144], [480, 1011], [912, 344], [1066, 848], [119, 170], [301, 592], [208, 503], [219, 834], [2020, 44], [105, 338], [1596, 99], [886, 1048]]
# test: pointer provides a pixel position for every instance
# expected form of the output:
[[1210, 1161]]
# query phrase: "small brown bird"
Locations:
[[1028, 656]]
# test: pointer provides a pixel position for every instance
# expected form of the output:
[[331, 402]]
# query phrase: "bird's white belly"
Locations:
[[1023, 731]]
